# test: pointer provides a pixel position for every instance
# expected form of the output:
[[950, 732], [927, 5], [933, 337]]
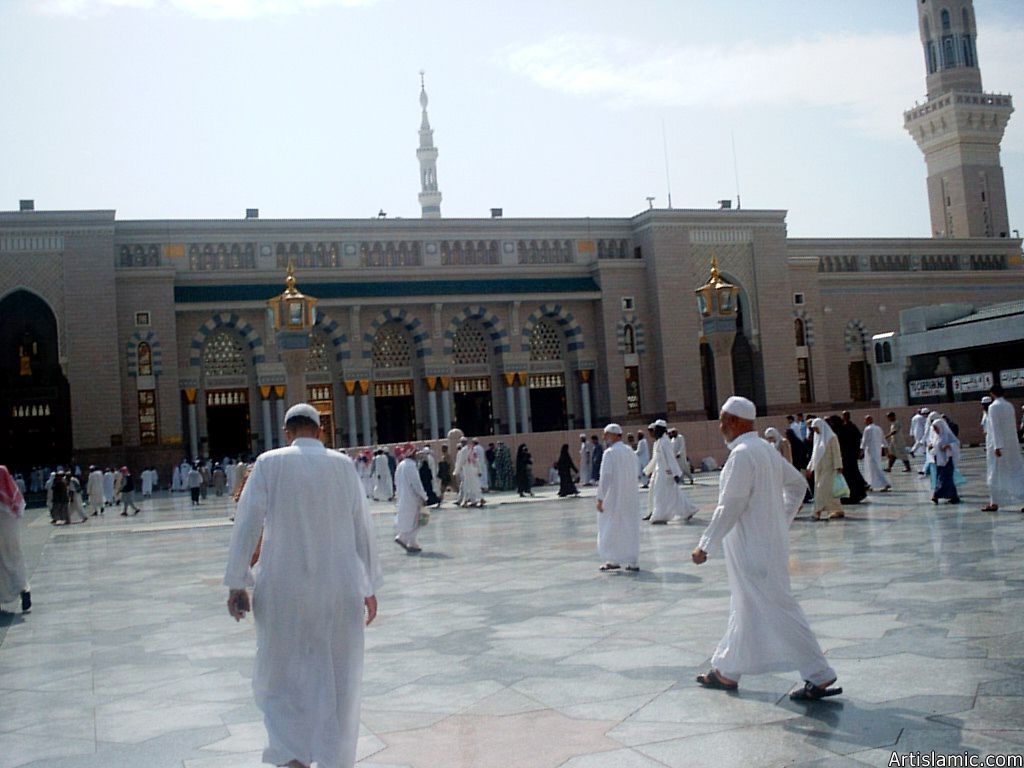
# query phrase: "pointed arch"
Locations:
[[492, 326], [808, 322], [339, 340], [569, 325], [230, 320], [855, 337], [638, 333], [133, 352], [420, 335]]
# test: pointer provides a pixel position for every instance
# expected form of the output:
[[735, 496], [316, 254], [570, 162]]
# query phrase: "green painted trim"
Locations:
[[226, 294]]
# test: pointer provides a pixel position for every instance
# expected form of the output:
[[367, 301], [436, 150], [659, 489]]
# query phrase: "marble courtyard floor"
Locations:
[[503, 646]]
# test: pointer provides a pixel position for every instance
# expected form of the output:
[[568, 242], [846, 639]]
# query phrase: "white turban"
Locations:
[[613, 429]]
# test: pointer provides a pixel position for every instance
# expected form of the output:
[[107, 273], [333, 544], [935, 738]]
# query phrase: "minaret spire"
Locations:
[[960, 127], [430, 197]]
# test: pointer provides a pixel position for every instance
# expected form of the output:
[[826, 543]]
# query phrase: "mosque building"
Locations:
[[153, 339]]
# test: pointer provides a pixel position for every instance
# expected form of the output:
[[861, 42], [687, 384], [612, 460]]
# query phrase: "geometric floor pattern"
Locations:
[[501, 645]]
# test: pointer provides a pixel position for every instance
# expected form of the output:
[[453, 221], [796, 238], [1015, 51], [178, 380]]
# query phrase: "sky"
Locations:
[[168, 109]]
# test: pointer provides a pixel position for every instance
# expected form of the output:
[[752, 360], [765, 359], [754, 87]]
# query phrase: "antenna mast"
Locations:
[[736, 171], [668, 179]]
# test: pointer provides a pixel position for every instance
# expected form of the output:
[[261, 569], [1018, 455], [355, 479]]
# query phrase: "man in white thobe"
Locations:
[[679, 449], [108, 487], [1005, 466], [383, 489], [94, 488], [586, 452], [666, 500], [410, 497], [759, 495], [872, 446], [917, 430], [481, 463], [147, 482], [183, 469], [618, 505], [467, 470], [643, 457], [315, 582]]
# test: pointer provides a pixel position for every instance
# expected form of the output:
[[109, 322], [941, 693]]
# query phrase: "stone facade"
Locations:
[[470, 304]]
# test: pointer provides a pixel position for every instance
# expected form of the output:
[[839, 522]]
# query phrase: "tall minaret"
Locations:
[[430, 197], [959, 127]]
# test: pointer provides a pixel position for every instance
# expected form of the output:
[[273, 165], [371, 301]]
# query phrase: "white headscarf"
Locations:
[[775, 435], [944, 438], [821, 440]]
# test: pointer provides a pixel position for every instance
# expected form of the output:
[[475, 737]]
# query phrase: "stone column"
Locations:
[[268, 424], [585, 398], [510, 400], [193, 424], [524, 403], [446, 405], [364, 388], [432, 406], [295, 374], [350, 410], [721, 347], [279, 407]]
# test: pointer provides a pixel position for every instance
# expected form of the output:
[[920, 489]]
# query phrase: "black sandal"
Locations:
[[609, 567], [812, 692], [710, 679]]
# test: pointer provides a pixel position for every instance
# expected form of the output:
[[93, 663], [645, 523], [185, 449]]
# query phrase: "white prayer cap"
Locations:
[[613, 429], [924, 411], [986, 400], [583, 437], [303, 409], [740, 407], [660, 423]]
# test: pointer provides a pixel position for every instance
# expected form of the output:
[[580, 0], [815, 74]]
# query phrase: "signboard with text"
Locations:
[[972, 382], [1012, 378], [928, 388]]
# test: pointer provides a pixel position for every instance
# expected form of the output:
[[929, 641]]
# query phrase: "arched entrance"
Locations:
[[35, 399], [471, 383], [394, 401], [225, 378], [548, 405]]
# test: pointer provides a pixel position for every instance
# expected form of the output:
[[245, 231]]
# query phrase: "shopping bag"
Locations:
[[840, 489]]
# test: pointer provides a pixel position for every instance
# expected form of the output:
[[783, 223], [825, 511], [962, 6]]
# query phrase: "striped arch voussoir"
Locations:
[[339, 341], [420, 335], [638, 333], [800, 314], [491, 323], [855, 336], [565, 320], [154, 347], [231, 320]]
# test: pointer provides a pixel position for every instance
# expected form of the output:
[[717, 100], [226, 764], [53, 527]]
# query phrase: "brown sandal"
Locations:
[[710, 679]]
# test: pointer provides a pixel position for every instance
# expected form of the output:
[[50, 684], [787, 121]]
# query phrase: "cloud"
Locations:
[[872, 77], [207, 9]]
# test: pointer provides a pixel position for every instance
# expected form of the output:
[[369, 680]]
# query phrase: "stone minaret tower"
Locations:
[[959, 127], [430, 197]]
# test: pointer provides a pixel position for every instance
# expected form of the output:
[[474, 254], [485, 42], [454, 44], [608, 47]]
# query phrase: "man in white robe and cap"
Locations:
[[643, 457], [383, 488], [759, 495], [108, 487], [667, 500], [94, 488], [679, 449], [481, 462], [618, 505], [410, 497], [1005, 466], [917, 430], [315, 582], [586, 471], [872, 446], [467, 470]]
